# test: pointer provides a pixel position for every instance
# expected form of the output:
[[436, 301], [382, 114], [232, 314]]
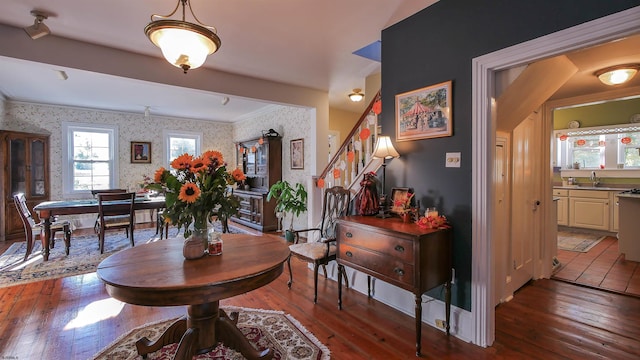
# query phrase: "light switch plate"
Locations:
[[452, 159]]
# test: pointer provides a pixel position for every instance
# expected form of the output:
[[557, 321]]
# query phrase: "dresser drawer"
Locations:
[[383, 243], [382, 264]]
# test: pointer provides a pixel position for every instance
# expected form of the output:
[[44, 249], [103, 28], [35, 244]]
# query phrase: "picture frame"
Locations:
[[297, 154], [424, 113], [398, 193], [140, 152]]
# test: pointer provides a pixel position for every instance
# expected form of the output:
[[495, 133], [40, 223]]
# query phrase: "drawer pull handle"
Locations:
[[398, 271], [348, 234], [349, 254], [399, 248]]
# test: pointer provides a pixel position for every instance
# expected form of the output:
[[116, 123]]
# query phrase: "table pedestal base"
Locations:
[[200, 332]]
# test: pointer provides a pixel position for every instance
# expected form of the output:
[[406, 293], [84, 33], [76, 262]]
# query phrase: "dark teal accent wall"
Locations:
[[436, 45]]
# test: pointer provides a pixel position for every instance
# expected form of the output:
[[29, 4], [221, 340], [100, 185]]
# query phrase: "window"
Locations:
[[180, 142], [90, 157], [588, 151], [606, 147], [629, 149]]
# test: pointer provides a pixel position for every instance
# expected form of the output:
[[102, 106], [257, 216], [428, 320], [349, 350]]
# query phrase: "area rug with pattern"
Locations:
[[578, 241], [84, 256], [280, 332]]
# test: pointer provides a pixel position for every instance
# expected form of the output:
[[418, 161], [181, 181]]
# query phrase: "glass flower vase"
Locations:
[[195, 245]]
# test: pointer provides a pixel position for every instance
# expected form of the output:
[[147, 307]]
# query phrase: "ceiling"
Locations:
[[305, 43], [591, 59]]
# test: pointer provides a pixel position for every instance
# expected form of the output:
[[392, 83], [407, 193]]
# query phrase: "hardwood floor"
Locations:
[[602, 267], [73, 318]]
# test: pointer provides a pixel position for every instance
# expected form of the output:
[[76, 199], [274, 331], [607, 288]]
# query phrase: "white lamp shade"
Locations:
[[617, 75], [183, 44], [183, 47], [384, 149]]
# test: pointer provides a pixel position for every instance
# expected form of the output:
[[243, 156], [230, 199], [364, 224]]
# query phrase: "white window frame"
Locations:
[[169, 134], [68, 128], [611, 148]]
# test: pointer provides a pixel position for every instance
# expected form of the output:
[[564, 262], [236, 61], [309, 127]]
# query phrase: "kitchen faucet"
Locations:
[[594, 179]]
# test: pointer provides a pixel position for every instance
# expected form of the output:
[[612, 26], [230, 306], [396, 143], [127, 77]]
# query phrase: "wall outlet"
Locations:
[[440, 323]]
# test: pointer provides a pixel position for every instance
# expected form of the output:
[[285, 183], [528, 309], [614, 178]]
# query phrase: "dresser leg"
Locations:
[[368, 286], [418, 324], [447, 301], [340, 270]]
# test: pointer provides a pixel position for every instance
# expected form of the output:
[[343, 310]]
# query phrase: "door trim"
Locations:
[[591, 33]]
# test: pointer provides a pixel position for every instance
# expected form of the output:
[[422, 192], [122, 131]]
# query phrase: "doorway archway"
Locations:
[[601, 30]]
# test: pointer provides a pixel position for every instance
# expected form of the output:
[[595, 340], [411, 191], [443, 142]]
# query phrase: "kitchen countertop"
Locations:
[[637, 196], [587, 187]]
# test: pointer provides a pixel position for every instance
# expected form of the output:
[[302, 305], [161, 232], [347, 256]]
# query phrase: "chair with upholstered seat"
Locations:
[[32, 228], [322, 251], [115, 211]]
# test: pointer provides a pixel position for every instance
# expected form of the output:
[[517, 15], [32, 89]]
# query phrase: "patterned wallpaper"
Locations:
[[291, 123], [131, 127]]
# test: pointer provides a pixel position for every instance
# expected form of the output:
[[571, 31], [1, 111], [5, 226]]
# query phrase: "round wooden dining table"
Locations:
[[156, 274]]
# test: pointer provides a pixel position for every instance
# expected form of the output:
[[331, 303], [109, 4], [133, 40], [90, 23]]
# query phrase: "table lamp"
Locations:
[[384, 150]]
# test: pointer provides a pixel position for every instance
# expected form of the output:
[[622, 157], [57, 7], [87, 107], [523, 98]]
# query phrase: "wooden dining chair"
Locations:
[[322, 251], [115, 211], [31, 228], [162, 226], [95, 193]]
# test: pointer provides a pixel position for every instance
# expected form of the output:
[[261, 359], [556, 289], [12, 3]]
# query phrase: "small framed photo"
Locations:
[[140, 152], [399, 197], [297, 154], [424, 113]]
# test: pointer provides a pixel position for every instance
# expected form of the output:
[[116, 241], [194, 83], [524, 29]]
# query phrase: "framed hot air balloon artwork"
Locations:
[[424, 113]]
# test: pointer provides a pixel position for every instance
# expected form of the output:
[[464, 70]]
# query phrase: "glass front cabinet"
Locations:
[[25, 169], [261, 161]]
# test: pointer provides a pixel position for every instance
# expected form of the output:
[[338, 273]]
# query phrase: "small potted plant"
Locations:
[[289, 199]]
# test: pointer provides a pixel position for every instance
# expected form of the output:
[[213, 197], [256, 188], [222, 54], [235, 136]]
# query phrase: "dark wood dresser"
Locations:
[[402, 254]]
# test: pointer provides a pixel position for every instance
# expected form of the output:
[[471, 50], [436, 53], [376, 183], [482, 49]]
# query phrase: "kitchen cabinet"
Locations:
[[628, 241], [589, 209], [562, 203], [24, 168], [615, 213]]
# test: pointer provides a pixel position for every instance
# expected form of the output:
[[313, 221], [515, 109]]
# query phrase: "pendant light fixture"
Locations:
[[185, 45], [356, 95], [618, 74]]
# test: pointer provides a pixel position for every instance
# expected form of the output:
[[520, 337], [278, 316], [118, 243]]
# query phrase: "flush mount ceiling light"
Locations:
[[185, 45], [616, 75], [356, 95], [38, 29]]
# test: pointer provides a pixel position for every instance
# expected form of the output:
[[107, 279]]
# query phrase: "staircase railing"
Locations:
[[354, 157]]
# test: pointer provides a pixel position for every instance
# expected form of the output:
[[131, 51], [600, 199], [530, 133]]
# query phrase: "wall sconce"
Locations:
[[616, 75], [356, 95], [185, 45]]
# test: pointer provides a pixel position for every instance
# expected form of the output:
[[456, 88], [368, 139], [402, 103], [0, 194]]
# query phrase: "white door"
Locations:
[[525, 200]]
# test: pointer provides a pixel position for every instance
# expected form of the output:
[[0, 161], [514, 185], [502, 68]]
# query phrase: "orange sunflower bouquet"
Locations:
[[196, 189]]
